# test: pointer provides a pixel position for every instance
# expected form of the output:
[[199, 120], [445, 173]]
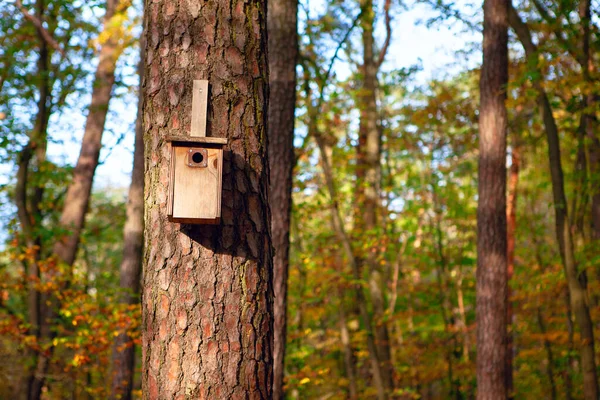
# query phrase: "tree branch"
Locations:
[[553, 22], [388, 33], [335, 56], [40, 27]]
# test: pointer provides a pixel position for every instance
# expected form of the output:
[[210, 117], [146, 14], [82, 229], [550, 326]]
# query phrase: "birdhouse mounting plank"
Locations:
[[196, 170]]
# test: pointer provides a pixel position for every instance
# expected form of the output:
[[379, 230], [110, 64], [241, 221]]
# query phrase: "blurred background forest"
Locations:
[[412, 227]]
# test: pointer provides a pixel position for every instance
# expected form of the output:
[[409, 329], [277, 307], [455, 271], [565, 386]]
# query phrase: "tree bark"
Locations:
[[131, 264], [576, 280], [283, 54], [207, 289], [511, 228], [368, 173], [491, 208], [79, 191]]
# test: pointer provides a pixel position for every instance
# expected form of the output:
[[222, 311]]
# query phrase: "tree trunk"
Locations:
[[338, 227], [79, 192], [28, 210], [349, 361], [549, 355], [283, 53], [443, 295], [511, 228], [576, 280], [368, 172], [131, 264], [491, 208], [588, 116], [207, 289]]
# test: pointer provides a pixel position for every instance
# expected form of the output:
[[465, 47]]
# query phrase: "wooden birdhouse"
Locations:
[[196, 169]]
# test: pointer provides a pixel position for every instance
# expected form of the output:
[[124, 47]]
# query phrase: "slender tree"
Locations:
[[28, 207], [368, 179], [491, 208], [131, 264], [511, 228], [283, 54], [207, 290], [576, 281], [78, 195]]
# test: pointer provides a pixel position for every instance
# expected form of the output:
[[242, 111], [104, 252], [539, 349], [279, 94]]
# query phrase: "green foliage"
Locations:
[[424, 242]]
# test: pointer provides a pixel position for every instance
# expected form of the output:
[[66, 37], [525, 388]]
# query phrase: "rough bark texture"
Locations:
[[131, 264], [491, 208], [207, 293], [511, 228], [576, 280], [368, 172], [283, 54]]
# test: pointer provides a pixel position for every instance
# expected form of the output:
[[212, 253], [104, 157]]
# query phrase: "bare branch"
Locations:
[[40, 27], [554, 22], [388, 33], [335, 56]]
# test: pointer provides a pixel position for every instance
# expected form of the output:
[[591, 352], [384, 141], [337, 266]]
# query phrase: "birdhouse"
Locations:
[[196, 169]]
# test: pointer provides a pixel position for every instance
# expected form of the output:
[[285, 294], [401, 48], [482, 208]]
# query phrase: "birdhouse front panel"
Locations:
[[196, 175], [196, 168]]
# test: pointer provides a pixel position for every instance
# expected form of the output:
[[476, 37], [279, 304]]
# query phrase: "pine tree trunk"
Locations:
[[131, 265], [576, 280], [283, 54], [207, 289], [491, 208]]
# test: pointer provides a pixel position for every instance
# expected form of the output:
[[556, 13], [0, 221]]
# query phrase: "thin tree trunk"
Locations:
[[376, 367], [491, 208], [78, 194], [347, 348], [28, 210], [283, 54], [541, 324], [571, 348], [588, 115], [511, 228], [131, 264], [445, 306], [463, 317], [207, 297], [368, 173], [576, 280], [549, 355]]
